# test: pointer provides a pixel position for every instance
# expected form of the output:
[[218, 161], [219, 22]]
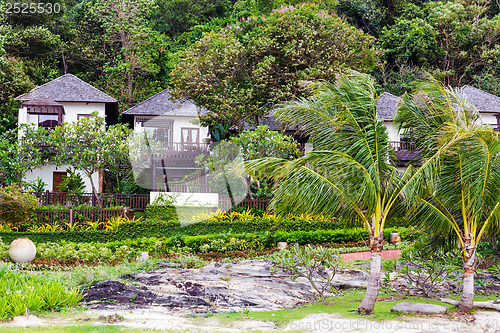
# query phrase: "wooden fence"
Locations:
[[132, 201], [73, 216], [226, 204]]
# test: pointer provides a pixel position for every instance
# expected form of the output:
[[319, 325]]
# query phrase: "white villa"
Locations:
[[487, 104], [65, 99], [175, 125]]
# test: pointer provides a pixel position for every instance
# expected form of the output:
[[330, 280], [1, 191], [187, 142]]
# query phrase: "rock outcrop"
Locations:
[[253, 284]]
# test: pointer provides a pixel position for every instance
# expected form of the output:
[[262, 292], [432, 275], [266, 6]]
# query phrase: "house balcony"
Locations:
[[406, 152], [169, 148]]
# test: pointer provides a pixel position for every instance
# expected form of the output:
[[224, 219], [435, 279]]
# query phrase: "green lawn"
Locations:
[[77, 329], [344, 305]]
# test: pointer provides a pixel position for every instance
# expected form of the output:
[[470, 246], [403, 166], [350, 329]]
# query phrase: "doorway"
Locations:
[[57, 178]]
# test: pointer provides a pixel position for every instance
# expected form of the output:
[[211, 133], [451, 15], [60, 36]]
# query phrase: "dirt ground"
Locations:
[[158, 318]]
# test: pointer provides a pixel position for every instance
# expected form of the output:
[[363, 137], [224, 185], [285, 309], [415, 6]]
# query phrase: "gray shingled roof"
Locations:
[[67, 88], [162, 104], [386, 109], [386, 106], [270, 121], [484, 102]]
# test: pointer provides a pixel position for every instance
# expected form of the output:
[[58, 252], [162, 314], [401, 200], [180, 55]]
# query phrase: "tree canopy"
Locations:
[[89, 146], [251, 55], [247, 68]]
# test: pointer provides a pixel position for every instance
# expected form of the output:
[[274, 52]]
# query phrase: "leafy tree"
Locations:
[[398, 77], [367, 15], [15, 206], [124, 21], [89, 146], [32, 38], [243, 70], [13, 82], [463, 189], [21, 150], [250, 144], [174, 17], [455, 40], [349, 173]]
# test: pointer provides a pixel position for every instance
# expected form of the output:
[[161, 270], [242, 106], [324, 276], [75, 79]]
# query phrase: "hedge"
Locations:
[[268, 238], [160, 228]]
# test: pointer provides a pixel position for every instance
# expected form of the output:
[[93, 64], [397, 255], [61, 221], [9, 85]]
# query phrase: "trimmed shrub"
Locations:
[[302, 232]]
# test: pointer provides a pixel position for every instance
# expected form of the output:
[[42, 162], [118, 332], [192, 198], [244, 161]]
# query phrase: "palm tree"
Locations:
[[463, 189], [349, 174]]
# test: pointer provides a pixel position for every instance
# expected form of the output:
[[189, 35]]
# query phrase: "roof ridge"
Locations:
[[38, 87], [481, 90], [61, 84], [147, 99]]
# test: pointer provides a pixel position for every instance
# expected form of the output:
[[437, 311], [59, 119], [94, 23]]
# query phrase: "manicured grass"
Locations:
[[84, 276], [77, 329], [22, 292], [344, 305]]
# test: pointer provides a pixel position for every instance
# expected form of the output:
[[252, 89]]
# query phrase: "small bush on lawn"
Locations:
[[308, 262], [116, 251], [15, 206], [21, 293], [4, 249], [425, 270]]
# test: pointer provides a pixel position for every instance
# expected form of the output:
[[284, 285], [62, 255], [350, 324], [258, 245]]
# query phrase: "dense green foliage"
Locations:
[[302, 232], [22, 293], [247, 68], [15, 206], [129, 50]]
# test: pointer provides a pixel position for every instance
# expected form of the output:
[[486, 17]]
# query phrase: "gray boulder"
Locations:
[[419, 308]]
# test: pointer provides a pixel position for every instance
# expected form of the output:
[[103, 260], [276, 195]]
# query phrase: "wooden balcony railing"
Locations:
[[403, 146], [184, 188], [131, 201], [182, 146], [406, 152]]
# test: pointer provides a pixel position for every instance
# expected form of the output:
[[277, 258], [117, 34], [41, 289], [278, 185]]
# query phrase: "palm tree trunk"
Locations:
[[467, 301], [371, 294]]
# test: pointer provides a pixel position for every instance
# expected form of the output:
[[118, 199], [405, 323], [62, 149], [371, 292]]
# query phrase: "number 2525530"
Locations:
[[32, 8]]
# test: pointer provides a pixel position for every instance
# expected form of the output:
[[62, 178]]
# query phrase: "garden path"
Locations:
[[389, 254]]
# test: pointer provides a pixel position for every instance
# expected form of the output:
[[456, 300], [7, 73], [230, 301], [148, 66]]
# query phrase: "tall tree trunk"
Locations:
[[94, 191], [371, 294], [467, 301]]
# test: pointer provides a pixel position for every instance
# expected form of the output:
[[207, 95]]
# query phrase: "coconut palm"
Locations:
[[463, 190], [349, 174]]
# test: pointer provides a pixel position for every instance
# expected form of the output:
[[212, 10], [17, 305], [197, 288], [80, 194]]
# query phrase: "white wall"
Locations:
[[489, 119], [392, 130], [179, 123], [72, 110], [46, 174]]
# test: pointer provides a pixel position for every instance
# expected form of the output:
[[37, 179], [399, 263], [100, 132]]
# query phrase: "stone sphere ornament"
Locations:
[[22, 250]]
